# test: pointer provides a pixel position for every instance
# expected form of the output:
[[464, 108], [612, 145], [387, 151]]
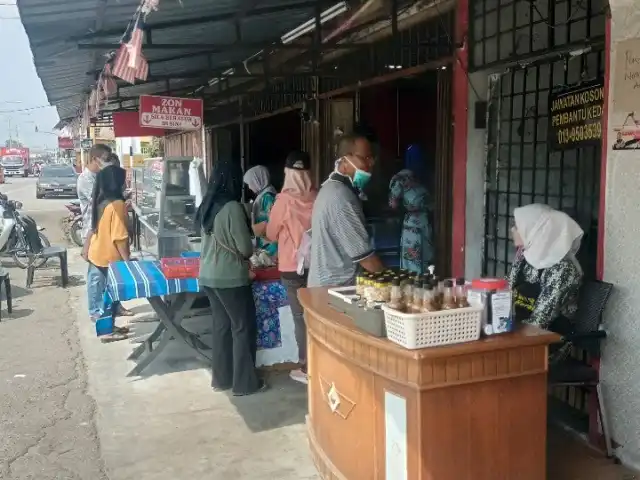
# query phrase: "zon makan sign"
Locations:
[[171, 113]]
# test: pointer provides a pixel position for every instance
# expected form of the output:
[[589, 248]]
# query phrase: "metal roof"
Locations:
[[71, 38]]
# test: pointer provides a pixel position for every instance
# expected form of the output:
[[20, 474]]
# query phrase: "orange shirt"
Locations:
[[112, 228]]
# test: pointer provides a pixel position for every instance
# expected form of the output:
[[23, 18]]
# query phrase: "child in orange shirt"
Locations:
[[110, 239]]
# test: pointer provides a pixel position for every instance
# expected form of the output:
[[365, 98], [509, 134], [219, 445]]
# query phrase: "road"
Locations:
[[47, 427]]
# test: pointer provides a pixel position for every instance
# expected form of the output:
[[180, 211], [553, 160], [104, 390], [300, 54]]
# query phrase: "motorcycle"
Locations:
[[74, 222], [13, 234]]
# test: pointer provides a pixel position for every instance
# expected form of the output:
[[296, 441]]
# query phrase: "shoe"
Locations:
[[299, 376], [123, 312]]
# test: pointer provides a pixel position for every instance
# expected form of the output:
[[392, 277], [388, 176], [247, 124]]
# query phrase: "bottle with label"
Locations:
[[448, 301], [461, 294]]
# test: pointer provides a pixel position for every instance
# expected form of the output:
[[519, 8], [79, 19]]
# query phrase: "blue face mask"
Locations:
[[360, 177]]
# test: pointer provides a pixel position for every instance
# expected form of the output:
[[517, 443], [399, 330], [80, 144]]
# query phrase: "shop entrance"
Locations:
[[269, 140], [523, 169], [413, 111]]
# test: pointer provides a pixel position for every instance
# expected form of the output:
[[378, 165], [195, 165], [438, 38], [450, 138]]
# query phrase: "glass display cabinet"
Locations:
[[164, 208]]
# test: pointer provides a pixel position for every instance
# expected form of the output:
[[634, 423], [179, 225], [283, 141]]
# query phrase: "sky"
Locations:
[[20, 87]]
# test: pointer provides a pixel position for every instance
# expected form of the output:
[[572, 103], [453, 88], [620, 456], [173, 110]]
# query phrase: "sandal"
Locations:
[[121, 330], [114, 337], [123, 312]]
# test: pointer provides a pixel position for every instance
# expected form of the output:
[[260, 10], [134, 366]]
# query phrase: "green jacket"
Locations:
[[219, 267]]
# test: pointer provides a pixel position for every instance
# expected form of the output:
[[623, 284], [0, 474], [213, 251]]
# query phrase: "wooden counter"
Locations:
[[475, 411]]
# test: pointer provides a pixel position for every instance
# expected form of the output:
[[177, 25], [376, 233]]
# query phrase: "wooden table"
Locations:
[[475, 411]]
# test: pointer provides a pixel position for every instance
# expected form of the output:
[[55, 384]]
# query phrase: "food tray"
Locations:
[[421, 330]]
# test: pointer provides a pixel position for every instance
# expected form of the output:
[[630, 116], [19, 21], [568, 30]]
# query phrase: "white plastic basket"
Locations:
[[445, 327]]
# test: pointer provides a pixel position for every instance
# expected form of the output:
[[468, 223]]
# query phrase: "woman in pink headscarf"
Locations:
[[289, 219]]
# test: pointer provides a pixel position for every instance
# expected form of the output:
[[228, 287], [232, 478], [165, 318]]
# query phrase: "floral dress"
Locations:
[[416, 241]]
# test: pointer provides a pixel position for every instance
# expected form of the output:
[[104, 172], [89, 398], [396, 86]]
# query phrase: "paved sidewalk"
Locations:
[[170, 425], [46, 416]]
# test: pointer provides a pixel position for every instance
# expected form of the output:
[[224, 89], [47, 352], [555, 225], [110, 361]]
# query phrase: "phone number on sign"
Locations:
[[580, 133]]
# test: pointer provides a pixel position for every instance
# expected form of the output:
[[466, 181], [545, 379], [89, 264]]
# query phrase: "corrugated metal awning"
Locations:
[[71, 38]]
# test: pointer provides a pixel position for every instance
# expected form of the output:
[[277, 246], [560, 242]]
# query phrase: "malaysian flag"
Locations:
[[109, 85], [142, 69], [121, 65], [134, 47]]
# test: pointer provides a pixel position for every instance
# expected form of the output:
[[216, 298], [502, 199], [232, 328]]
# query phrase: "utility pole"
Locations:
[[10, 138]]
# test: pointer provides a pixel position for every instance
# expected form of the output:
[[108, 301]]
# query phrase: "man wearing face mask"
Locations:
[[339, 238]]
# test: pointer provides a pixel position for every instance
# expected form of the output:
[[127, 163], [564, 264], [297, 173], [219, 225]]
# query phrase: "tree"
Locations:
[[12, 143]]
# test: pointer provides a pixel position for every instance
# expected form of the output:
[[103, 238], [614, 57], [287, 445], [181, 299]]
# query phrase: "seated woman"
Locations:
[[407, 190], [259, 182], [545, 277], [225, 278]]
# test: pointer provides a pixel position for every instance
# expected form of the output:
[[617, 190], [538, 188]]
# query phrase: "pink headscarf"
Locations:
[[298, 183]]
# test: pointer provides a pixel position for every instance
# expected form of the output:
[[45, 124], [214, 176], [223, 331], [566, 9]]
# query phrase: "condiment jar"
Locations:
[[427, 298], [416, 301], [461, 294], [395, 298], [407, 291], [448, 301]]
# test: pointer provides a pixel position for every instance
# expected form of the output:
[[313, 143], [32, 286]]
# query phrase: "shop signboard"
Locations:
[[86, 143], [171, 113], [575, 118], [65, 143]]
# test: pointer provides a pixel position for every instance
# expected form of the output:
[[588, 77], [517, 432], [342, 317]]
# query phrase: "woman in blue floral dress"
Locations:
[[407, 190]]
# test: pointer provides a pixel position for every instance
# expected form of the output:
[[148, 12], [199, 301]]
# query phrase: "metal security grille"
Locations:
[[503, 31], [521, 170]]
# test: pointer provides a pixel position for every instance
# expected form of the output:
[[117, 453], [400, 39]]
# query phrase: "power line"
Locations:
[[26, 109]]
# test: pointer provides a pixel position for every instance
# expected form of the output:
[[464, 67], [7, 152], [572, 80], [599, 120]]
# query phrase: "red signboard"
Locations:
[[171, 113], [127, 124], [65, 143]]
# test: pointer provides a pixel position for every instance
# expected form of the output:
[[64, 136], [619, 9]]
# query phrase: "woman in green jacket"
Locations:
[[224, 276]]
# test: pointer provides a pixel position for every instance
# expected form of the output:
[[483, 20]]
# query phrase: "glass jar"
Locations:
[[427, 298]]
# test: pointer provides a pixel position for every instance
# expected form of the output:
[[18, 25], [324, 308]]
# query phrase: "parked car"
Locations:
[[56, 181]]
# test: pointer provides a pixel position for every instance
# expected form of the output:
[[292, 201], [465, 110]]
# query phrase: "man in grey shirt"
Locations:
[[339, 238], [86, 180]]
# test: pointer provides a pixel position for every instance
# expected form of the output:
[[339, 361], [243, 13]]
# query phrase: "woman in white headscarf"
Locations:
[[259, 182], [545, 277]]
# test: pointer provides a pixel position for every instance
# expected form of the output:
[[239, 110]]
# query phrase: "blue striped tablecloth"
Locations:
[[143, 279]]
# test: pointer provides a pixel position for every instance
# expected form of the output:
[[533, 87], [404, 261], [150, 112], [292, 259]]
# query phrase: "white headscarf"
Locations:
[[548, 235], [257, 178]]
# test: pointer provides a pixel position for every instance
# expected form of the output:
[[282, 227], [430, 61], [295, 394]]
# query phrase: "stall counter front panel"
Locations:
[[473, 411]]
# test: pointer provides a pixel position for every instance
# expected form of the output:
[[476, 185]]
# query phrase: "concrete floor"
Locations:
[[169, 424]]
